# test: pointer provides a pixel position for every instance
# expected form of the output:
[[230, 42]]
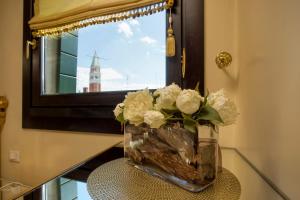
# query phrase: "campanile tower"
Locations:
[[95, 74]]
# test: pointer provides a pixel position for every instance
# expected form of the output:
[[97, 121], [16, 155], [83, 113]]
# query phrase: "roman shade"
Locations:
[[53, 17]]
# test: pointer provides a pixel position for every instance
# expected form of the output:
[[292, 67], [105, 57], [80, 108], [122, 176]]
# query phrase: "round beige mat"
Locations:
[[116, 180]]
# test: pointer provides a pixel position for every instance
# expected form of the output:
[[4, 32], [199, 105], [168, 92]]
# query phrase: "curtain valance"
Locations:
[[53, 17]]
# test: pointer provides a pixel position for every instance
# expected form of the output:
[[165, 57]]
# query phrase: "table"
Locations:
[[118, 180], [73, 184]]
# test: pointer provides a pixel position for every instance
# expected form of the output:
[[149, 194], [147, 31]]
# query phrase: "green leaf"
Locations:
[[205, 98], [187, 117], [120, 118], [169, 111], [210, 114], [190, 125], [169, 114]]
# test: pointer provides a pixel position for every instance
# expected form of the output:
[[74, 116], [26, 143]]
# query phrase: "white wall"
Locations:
[[269, 85], [264, 79], [220, 35]]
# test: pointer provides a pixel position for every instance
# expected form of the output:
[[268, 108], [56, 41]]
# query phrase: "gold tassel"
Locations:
[[170, 46]]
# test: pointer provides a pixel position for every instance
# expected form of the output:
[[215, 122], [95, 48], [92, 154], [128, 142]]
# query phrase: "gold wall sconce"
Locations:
[[223, 59], [3, 107]]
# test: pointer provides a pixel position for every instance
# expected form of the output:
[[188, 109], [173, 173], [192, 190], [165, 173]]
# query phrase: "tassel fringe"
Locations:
[[139, 12]]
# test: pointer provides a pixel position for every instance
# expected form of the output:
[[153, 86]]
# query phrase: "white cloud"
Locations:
[[134, 22], [121, 86], [83, 74], [148, 40], [125, 29], [110, 74]]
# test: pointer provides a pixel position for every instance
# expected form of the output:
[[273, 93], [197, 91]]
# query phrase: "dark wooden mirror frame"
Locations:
[[92, 112]]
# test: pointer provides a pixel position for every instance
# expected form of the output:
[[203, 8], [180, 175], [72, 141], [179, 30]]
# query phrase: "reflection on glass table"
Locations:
[[72, 185], [63, 188], [10, 189]]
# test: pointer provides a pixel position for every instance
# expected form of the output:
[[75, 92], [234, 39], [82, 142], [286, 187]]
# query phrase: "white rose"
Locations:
[[167, 97], [118, 109], [154, 118], [225, 107], [188, 101], [135, 106]]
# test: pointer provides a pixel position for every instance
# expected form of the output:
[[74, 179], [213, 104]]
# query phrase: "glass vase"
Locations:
[[189, 160]]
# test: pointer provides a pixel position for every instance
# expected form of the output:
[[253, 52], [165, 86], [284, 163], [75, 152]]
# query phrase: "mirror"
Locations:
[[102, 58]]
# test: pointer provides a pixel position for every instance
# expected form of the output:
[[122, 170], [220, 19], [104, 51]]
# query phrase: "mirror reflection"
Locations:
[[102, 58]]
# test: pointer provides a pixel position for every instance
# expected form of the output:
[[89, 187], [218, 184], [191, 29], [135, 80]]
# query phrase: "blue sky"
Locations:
[[133, 53]]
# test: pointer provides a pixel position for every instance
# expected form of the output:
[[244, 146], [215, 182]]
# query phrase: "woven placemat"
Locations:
[[116, 180]]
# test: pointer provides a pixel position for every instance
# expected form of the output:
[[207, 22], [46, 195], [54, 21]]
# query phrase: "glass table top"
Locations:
[[72, 185]]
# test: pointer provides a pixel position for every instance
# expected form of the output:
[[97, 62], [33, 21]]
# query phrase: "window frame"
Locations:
[[92, 112]]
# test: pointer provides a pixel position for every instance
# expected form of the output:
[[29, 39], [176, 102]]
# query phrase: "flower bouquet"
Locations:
[[173, 133]]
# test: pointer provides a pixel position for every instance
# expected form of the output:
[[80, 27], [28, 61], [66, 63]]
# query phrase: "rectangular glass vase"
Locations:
[[189, 160]]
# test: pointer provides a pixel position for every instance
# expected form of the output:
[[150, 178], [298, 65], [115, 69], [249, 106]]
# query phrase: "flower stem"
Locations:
[[174, 119]]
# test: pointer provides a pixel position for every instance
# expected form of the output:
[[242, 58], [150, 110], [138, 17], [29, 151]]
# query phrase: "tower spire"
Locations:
[[96, 59]]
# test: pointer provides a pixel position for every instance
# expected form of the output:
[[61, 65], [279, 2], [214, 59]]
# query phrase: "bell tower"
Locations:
[[95, 74]]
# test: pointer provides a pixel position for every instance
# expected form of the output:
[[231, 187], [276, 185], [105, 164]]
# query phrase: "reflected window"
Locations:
[[127, 55], [65, 189]]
